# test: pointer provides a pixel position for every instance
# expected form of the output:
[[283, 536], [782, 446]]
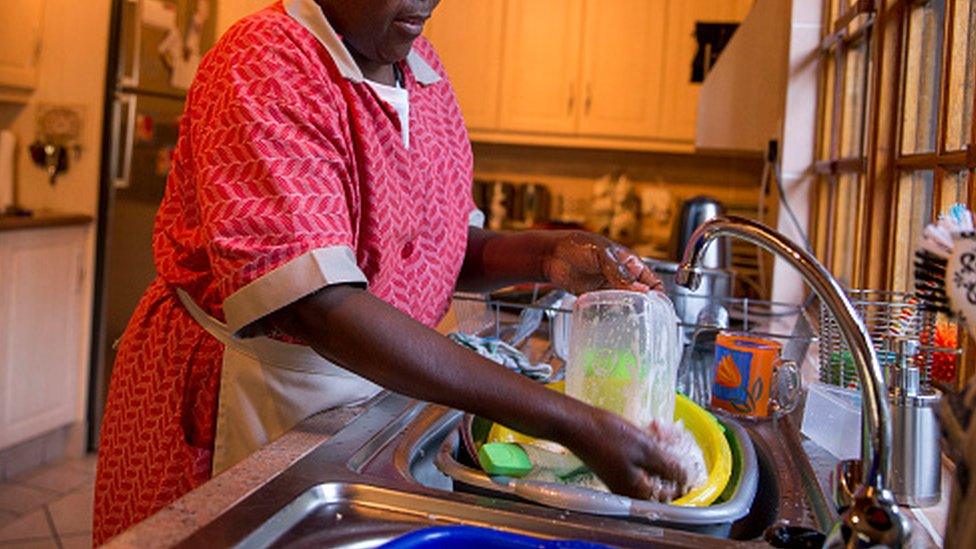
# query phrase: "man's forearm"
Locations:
[[497, 259], [367, 336]]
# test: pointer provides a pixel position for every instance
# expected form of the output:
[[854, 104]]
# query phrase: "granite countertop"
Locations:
[[42, 219], [177, 521]]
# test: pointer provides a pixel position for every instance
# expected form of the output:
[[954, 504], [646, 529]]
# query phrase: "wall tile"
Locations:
[[23, 458]]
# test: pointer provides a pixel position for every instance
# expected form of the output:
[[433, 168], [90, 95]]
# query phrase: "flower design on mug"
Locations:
[[728, 373]]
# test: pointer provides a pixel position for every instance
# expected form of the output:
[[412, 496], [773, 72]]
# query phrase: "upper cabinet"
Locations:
[[468, 37], [540, 82], [680, 96], [622, 68], [593, 73], [20, 42]]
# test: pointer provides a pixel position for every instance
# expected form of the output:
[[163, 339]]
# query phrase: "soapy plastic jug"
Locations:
[[624, 351]]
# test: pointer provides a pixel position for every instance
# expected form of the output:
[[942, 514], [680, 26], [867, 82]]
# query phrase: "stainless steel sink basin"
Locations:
[[376, 479], [364, 516]]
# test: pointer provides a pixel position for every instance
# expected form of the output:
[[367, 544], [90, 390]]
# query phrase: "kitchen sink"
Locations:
[[376, 479]]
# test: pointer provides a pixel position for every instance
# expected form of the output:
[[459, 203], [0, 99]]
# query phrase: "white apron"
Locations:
[[268, 386]]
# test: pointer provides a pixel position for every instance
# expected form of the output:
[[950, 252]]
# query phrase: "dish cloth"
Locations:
[[552, 463], [498, 351]]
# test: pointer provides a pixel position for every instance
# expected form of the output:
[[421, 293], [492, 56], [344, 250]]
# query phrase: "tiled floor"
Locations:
[[48, 508]]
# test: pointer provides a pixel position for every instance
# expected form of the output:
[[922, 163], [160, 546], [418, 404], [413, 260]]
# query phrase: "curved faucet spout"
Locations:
[[875, 404]]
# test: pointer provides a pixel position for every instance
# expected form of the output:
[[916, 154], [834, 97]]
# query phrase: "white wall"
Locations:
[[799, 138], [229, 11], [71, 72]]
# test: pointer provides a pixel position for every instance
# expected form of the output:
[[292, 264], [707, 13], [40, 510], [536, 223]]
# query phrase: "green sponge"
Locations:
[[505, 459]]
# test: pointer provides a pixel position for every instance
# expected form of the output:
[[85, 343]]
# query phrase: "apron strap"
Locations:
[[268, 351], [213, 326]]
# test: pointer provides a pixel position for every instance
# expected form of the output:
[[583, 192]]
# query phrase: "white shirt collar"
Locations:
[[310, 16]]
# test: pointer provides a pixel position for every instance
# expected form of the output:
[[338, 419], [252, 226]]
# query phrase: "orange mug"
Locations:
[[751, 377]]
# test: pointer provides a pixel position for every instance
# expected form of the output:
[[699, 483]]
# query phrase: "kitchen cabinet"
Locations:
[[679, 107], [42, 349], [540, 66], [20, 42], [588, 73], [468, 37], [623, 55]]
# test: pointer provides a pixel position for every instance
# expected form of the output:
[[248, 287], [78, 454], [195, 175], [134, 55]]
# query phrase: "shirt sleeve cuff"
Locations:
[[290, 282], [476, 218]]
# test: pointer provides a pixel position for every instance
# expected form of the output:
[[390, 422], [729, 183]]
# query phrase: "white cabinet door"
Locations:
[[540, 84], [623, 57], [42, 277], [468, 37], [20, 42]]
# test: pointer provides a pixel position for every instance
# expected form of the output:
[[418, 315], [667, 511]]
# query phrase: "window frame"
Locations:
[[884, 25]]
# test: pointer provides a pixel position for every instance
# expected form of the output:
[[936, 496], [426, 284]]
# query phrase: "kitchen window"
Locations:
[[897, 134]]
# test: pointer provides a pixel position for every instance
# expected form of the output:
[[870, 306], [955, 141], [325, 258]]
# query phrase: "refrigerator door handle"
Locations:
[[132, 80], [122, 146]]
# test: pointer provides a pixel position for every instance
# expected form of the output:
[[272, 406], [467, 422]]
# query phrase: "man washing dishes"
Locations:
[[316, 222]]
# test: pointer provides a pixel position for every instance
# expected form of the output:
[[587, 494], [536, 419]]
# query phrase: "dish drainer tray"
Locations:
[[713, 520]]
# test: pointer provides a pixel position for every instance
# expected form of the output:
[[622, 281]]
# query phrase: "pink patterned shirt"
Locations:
[[290, 174]]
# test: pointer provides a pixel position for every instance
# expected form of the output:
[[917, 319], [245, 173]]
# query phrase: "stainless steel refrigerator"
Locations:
[[154, 49]]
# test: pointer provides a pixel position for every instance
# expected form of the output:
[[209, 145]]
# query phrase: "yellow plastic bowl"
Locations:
[[709, 434]]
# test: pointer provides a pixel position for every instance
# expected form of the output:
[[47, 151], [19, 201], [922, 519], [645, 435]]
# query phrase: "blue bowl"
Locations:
[[445, 537]]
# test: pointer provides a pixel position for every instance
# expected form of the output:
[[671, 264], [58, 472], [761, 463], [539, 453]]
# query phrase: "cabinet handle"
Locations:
[[131, 80], [38, 49], [572, 99], [122, 143], [588, 101], [82, 274]]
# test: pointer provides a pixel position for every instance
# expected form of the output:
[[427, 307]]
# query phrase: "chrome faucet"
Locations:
[[873, 516]]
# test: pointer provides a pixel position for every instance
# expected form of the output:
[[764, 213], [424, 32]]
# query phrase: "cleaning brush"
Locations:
[[945, 267]]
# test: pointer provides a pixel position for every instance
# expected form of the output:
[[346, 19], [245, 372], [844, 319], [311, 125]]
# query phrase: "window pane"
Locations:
[[914, 212], [922, 74], [830, 80], [961, 76], [955, 190], [821, 235], [855, 98], [846, 238]]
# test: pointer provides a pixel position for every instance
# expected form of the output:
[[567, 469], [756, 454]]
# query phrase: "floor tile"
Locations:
[[30, 526], [61, 478], [86, 463], [20, 499], [40, 543], [82, 541], [72, 514], [6, 518]]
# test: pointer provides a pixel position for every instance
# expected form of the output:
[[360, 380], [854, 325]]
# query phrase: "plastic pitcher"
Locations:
[[624, 350]]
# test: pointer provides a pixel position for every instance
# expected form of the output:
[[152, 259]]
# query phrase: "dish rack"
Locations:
[[888, 317], [498, 316]]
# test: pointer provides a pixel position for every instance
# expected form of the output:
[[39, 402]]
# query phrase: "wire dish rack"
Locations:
[[499, 315], [889, 317]]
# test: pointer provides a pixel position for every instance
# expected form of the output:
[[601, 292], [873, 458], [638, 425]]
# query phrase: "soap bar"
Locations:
[[503, 458]]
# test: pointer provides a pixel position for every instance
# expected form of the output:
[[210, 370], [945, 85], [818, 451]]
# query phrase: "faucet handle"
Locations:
[[872, 520]]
